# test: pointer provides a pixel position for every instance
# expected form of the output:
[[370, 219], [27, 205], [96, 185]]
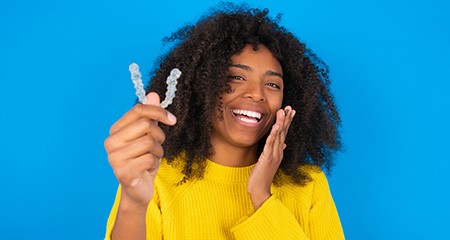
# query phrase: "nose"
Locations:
[[255, 92]]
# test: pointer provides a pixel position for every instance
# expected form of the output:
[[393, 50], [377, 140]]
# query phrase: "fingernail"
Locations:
[[171, 117], [293, 113]]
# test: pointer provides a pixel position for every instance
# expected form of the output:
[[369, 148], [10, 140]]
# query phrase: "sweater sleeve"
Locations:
[[273, 220], [324, 218], [153, 218]]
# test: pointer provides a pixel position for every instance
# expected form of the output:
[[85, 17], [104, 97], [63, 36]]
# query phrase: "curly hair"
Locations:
[[203, 51]]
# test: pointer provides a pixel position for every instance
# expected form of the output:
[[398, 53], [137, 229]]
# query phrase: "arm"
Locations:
[[271, 221], [134, 150], [265, 169], [151, 224], [275, 220], [324, 218]]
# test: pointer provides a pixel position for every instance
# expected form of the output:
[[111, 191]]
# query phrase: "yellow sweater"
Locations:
[[219, 207]]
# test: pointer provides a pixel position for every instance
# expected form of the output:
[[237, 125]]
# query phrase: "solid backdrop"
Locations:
[[64, 81]]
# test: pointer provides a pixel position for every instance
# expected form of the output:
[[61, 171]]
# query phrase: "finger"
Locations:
[[146, 162], [150, 111], [287, 113], [281, 119], [268, 147], [290, 113], [152, 99], [143, 145], [133, 131], [132, 169], [290, 119], [274, 133]]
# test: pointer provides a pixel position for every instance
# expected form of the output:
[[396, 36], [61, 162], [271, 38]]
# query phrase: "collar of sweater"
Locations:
[[227, 174]]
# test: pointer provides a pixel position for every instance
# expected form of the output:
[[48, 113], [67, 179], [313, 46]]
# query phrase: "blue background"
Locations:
[[64, 81]]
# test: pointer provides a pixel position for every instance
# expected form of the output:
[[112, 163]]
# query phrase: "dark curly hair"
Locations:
[[203, 51]]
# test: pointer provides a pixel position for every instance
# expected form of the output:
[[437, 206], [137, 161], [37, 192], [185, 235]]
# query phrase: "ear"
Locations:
[[152, 99]]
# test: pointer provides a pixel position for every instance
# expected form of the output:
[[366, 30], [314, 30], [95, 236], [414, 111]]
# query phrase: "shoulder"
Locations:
[[313, 176], [170, 172], [318, 177], [321, 194], [317, 183]]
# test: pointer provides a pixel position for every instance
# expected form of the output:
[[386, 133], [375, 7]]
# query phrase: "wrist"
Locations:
[[258, 199], [130, 220], [129, 204]]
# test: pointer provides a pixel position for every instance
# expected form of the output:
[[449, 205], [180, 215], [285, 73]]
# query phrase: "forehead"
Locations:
[[262, 58]]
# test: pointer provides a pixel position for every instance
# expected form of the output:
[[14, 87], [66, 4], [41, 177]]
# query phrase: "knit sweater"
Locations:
[[219, 207]]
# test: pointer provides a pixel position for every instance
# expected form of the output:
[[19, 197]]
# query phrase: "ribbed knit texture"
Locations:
[[219, 207]]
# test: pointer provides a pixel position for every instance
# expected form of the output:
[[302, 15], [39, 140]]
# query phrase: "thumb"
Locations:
[[152, 99]]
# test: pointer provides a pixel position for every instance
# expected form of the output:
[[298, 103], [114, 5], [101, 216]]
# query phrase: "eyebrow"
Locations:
[[248, 68]]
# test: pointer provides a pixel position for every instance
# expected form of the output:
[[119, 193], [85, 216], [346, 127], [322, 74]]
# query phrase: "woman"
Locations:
[[230, 158]]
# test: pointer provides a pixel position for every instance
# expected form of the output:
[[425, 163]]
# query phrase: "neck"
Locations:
[[233, 156]]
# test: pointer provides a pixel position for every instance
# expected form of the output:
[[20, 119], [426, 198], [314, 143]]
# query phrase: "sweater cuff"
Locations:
[[153, 221], [113, 214], [271, 221]]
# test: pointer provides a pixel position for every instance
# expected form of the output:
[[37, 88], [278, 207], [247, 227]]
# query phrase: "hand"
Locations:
[[135, 150], [265, 169]]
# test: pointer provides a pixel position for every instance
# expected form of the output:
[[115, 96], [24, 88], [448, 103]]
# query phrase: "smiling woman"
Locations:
[[248, 109], [229, 159]]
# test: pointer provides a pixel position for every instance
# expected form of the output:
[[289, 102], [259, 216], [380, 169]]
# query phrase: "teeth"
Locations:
[[252, 114], [248, 120]]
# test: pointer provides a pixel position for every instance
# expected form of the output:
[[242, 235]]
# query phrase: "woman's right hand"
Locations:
[[135, 150]]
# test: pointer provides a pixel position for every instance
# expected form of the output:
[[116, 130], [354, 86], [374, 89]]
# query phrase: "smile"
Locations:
[[247, 116]]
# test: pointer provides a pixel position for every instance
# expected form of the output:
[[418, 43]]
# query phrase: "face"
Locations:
[[249, 109]]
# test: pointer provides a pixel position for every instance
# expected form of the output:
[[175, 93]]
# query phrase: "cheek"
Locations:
[[221, 103], [219, 108], [276, 102]]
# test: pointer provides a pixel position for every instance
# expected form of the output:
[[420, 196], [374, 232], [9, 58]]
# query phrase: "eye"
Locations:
[[273, 85], [236, 77]]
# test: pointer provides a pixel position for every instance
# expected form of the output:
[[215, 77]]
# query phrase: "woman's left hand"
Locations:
[[265, 169]]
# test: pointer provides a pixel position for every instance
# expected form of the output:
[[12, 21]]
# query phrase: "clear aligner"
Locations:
[[171, 87], [139, 86], [137, 81]]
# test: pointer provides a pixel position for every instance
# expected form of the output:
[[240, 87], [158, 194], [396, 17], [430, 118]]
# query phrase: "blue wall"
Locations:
[[64, 81]]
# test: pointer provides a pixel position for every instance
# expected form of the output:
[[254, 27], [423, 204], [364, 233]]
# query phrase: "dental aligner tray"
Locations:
[[172, 81]]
